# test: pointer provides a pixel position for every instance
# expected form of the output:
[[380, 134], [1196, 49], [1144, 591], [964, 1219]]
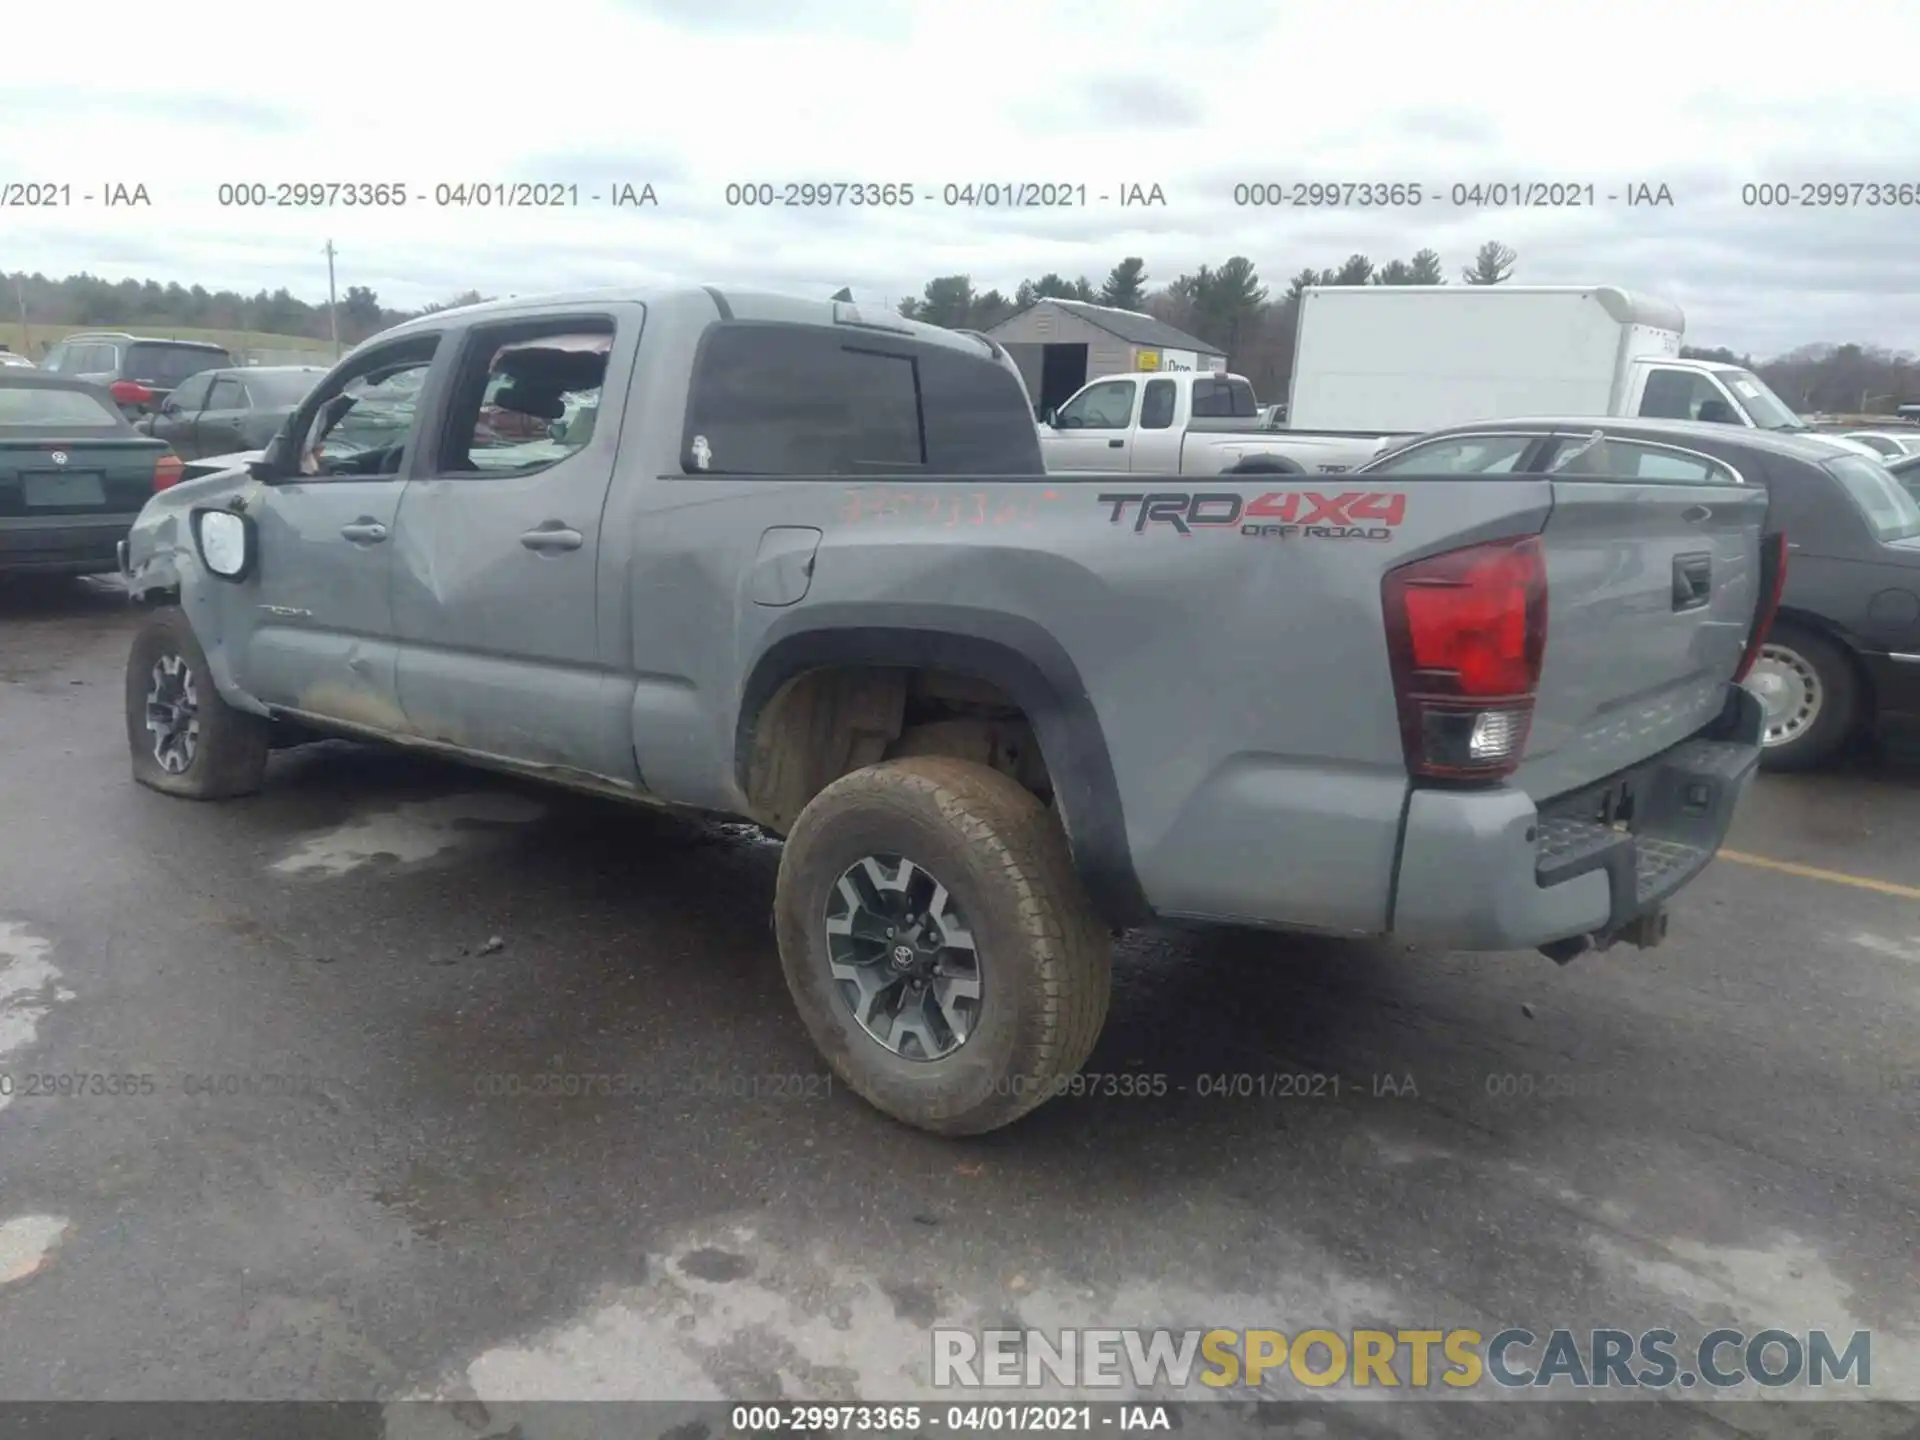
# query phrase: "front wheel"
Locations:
[[1810, 692], [938, 943], [184, 739]]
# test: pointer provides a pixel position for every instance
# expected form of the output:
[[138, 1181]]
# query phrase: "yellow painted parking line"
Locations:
[[1814, 872]]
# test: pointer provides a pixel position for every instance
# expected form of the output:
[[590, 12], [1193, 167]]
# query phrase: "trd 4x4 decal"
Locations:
[[1276, 515]]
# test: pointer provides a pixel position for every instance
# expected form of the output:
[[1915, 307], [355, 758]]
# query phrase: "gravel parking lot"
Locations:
[[341, 1157]]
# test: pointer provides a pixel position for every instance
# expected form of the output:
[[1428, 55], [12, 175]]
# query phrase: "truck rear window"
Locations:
[[168, 365], [1224, 400], [771, 399]]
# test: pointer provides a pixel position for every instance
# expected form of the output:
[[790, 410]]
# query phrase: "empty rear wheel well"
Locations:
[[829, 721], [832, 692]]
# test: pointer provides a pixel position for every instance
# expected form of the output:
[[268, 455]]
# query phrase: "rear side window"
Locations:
[[772, 399], [1224, 400], [1890, 511], [168, 365], [978, 418], [41, 408], [1457, 455], [1628, 460]]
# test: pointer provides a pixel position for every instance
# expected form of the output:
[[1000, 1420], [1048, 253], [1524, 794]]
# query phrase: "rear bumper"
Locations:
[[63, 544], [1490, 870]]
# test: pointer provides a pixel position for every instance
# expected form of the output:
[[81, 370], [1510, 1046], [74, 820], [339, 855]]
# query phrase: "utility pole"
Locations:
[[333, 309], [20, 295]]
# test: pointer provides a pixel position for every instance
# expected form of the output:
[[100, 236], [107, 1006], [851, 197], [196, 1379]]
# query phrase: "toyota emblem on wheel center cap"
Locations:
[[902, 956]]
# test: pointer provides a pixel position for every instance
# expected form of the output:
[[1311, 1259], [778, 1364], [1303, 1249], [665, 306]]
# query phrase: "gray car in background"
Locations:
[[219, 411]]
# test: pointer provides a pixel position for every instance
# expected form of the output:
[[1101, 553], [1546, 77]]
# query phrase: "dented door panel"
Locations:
[[322, 622], [503, 649]]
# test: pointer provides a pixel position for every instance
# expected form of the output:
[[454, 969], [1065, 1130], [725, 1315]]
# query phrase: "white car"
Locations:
[[7, 357], [1887, 444]]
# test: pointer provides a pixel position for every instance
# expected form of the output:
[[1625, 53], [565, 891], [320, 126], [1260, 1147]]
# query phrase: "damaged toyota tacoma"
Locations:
[[799, 562]]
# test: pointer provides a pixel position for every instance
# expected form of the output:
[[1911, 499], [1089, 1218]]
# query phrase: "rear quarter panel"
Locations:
[[1240, 681]]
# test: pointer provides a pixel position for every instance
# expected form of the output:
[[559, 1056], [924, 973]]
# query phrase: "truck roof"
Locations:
[[1629, 307], [730, 304]]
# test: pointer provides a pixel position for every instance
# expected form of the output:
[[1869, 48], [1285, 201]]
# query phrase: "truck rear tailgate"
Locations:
[[1652, 591]]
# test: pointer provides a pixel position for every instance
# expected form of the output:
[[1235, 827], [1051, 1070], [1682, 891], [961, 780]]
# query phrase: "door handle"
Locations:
[[1115, 444], [553, 537], [1692, 581], [364, 532]]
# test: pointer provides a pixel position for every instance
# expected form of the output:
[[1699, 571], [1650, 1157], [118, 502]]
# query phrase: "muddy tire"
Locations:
[[184, 739], [937, 899], [1812, 696]]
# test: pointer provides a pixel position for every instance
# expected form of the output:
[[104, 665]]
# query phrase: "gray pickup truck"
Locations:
[[798, 562]]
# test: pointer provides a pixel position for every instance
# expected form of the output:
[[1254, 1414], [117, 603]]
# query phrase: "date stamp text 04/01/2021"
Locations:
[[984, 194], [993, 194]]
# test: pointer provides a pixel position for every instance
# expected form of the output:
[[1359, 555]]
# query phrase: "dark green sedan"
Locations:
[[73, 474]]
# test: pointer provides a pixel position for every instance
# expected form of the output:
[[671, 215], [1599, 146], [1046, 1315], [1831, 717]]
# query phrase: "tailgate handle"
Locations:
[[1696, 514], [1692, 581]]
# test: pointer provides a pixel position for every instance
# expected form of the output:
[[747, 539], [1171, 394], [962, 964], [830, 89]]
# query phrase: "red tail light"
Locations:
[[1466, 633], [167, 470], [130, 392], [1773, 581]]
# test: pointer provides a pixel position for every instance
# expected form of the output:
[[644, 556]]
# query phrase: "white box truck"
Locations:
[[1402, 358]]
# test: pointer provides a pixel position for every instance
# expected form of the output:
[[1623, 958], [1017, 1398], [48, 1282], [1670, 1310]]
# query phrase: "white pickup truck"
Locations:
[[1374, 366], [1188, 423]]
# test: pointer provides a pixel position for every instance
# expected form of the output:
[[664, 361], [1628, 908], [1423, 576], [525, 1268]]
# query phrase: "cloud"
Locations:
[[40, 105], [873, 18], [1106, 103], [695, 96]]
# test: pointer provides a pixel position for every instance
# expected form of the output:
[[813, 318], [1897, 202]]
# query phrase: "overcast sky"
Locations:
[[690, 95]]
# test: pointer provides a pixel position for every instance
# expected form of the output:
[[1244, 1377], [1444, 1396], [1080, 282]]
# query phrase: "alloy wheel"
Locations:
[[173, 714], [903, 957]]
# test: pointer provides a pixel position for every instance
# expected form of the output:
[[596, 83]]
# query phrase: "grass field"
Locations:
[[238, 341]]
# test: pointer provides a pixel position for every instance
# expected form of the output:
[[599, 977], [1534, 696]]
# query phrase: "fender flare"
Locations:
[[1266, 465], [1015, 654]]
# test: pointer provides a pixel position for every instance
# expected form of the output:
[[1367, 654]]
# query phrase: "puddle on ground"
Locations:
[[27, 990], [26, 1243], [407, 834]]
